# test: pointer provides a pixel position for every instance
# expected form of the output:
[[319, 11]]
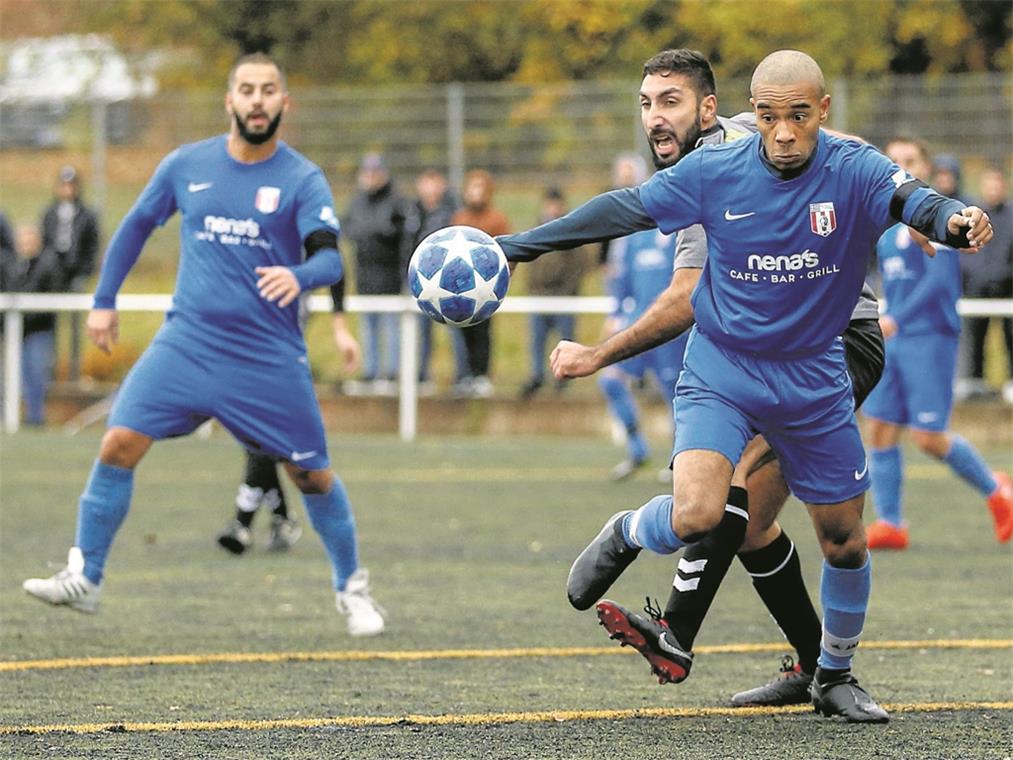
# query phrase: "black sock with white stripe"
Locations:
[[777, 577], [702, 567]]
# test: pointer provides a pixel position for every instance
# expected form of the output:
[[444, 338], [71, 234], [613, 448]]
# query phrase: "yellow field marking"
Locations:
[[450, 654], [449, 474], [472, 719]]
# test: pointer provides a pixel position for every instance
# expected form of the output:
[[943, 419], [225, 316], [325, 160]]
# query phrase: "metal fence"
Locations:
[[558, 131]]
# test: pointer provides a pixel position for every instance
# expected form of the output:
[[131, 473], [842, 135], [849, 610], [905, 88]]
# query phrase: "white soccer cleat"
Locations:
[[68, 587], [365, 616]]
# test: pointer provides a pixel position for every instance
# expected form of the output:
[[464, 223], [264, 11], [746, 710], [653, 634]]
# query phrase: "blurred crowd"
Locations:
[[381, 227]]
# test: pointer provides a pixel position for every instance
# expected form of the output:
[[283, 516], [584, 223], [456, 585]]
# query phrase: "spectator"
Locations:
[[375, 222], [989, 275], [433, 210], [946, 176], [34, 269], [479, 212], [71, 230], [628, 170], [552, 276]]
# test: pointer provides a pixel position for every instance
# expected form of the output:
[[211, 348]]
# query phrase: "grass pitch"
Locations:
[[468, 542]]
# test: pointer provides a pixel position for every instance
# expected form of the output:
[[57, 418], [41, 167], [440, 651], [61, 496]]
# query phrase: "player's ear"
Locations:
[[708, 107], [824, 108], [228, 103]]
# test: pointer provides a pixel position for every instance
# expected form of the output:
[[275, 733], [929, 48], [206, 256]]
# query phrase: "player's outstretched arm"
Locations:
[[605, 217], [669, 316]]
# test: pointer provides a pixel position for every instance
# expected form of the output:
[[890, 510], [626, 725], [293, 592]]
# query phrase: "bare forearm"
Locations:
[[667, 318]]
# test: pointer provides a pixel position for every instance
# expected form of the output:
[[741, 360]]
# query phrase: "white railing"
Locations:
[[13, 305]]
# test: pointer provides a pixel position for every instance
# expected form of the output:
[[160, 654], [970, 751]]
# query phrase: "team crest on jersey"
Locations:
[[822, 218], [267, 199]]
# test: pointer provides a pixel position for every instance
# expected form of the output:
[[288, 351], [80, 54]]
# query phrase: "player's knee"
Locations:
[[844, 549], [313, 481], [122, 447], [692, 520], [932, 443]]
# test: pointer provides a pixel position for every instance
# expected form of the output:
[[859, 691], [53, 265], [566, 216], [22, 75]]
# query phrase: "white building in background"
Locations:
[[42, 78]]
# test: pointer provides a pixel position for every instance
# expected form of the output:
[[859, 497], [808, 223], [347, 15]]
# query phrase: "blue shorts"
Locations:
[[917, 385], [270, 408], [665, 361], [803, 407]]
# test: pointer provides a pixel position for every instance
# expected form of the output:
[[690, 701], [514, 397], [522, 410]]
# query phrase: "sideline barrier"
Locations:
[[14, 305]]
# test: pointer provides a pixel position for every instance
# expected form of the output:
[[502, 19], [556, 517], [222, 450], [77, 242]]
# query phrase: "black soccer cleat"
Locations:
[[600, 564], [648, 635], [845, 698], [791, 687]]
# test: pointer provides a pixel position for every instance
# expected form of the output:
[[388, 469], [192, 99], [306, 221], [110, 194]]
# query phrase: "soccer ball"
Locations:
[[459, 276]]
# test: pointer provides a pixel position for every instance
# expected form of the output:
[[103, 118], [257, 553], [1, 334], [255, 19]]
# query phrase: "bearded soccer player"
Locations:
[[791, 215], [232, 346]]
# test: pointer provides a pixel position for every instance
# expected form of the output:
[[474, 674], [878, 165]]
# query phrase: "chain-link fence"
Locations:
[[560, 132]]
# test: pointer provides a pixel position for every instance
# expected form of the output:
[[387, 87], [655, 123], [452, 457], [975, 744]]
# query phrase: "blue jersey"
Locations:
[[786, 258], [640, 269], [235, 217], [921, 292]]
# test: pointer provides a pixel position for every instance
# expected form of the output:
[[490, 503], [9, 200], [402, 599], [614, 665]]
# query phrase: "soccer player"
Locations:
[[791, 215], [231, 346], [640, 266], [922, 330], [679, 114]]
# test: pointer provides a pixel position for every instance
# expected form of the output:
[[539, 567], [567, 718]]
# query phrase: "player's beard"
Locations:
[[686, 144], [257, 138]]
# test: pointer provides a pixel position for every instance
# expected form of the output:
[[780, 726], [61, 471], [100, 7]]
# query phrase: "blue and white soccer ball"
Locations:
[[459, 276]]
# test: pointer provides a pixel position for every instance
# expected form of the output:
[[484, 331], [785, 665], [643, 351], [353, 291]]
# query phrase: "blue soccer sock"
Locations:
[[886, 472], [845, 596], [621, 404], [331, 516], [965, 460], [650, 527], [100, 512]]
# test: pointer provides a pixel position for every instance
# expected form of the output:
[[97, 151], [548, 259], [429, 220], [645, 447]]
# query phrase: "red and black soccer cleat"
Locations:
[[650, 636]]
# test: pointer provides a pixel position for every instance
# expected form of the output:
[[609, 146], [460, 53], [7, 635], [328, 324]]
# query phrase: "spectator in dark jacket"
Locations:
[[34, 269], [552, 276], [431, 211], [70, 229], [989, 274], [375, 222]]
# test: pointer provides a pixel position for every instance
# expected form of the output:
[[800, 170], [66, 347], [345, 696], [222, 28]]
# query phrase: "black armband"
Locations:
[[338, 296], [319, 239], [901, 195]]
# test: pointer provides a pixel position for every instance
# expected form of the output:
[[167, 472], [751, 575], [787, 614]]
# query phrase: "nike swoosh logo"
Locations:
[[860, 475], [732, 217], [663, 643], [196, 187], [298, 456]]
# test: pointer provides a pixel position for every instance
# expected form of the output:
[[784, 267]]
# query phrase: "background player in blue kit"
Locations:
[[639, 269], [791, 216], [922, 329], [231, 346]]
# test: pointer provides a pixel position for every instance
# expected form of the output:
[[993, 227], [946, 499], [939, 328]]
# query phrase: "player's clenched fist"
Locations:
[[979, 228], [103, 328], [571, 359]]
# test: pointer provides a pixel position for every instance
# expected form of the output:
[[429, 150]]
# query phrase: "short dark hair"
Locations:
[[922, 148], [690, 63], [255, 58]]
